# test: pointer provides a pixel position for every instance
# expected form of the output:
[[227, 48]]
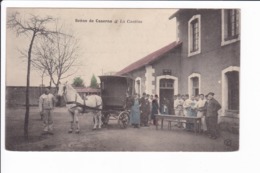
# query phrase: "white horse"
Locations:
[[76, 105]]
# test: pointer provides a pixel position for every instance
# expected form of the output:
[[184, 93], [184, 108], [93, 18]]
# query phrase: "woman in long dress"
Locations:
[[135, 112]]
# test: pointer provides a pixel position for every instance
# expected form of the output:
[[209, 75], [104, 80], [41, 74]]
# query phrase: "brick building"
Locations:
[[205, 57]]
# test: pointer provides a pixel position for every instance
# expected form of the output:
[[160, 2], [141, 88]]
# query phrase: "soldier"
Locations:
[[187, 110], [142, 109], [155, 109], [145, 111], [46, 106], [150, 116], [212, 108], [202, 112]]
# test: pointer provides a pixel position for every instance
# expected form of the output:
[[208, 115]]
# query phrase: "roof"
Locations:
[[86, 90], [174, 14], [149, 58], [114, 76]]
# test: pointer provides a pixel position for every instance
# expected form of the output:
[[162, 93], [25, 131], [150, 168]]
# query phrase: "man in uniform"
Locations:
[[142, 109], [150, 115], [202, 112], [46, 106], [212, 108]]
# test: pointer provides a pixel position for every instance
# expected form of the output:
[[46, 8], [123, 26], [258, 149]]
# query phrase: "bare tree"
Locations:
[[57, 56], [33, 27]]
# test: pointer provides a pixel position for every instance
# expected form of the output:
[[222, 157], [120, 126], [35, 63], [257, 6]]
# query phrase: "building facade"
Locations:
[[204, 58]]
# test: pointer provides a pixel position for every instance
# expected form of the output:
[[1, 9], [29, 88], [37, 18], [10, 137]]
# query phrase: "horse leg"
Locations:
[[95, 120], [77, 120], [99, 119], [71, 122]]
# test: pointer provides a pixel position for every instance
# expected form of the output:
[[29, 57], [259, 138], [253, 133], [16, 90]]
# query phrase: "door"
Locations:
[[167, 92]]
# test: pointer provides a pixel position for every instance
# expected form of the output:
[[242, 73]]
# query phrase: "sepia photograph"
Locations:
[[106, 79]]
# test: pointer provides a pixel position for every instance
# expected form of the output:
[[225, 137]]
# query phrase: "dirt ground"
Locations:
[[111, 138]]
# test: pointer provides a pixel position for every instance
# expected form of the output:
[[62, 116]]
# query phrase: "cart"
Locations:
[[115, 91]]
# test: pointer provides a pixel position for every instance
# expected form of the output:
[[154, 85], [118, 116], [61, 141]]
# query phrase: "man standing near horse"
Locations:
[[46, 106]]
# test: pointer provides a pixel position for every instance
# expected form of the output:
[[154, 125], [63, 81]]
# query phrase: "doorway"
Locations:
[[233, 90], [167, 92]]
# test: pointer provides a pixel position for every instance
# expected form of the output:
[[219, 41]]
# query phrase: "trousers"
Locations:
[[47, 120], [212, 125]]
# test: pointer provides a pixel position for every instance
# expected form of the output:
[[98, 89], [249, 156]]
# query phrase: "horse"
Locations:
[[77, 105]]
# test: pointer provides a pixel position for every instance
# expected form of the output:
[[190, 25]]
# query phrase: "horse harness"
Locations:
[[84, 107]]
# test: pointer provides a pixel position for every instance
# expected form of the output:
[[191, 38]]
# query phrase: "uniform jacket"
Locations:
[[212, 107], [46, 102]]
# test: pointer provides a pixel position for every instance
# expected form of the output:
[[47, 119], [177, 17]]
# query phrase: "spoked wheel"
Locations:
[[105, 118], [123, 119]]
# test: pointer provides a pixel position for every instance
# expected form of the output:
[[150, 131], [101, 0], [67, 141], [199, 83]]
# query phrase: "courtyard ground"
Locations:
[[110, 138]]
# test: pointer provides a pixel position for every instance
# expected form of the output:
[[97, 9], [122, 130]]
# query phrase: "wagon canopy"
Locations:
[[114, 89]]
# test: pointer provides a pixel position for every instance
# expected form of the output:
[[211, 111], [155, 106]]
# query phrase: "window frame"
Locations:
[[225, 29], [190, 83], [192, 52]]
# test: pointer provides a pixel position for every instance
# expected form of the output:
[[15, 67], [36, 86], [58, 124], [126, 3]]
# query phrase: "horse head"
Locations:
[[69, 93]]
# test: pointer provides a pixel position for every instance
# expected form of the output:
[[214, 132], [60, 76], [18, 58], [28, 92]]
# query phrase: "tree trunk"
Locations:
[[27, 101], [50, 84]]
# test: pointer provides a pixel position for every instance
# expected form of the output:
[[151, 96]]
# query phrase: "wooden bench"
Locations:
[[172, 118]]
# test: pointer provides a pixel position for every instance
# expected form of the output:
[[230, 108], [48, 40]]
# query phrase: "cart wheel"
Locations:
[[123, 119], [105, 118]]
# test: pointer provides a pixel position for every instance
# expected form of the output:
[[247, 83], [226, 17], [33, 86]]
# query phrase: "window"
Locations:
[[166, 83], [195, 86], [230, 26], [194, 35]]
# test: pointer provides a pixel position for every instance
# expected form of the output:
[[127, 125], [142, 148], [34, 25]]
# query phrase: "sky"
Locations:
[[104, 47]]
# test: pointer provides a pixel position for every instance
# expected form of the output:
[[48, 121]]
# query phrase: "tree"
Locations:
[[34, 27], [78, 82], [57, 57], [93, 83]]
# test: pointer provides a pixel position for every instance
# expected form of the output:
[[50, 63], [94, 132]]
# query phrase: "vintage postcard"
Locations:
[[122, 79], [157, 85]]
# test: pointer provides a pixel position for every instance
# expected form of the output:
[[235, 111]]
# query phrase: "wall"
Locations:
[[15, 95], [171, 60], [139, 73]]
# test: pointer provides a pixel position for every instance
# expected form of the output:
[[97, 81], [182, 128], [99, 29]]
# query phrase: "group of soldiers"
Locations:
[[144, 109], [205, 107]]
